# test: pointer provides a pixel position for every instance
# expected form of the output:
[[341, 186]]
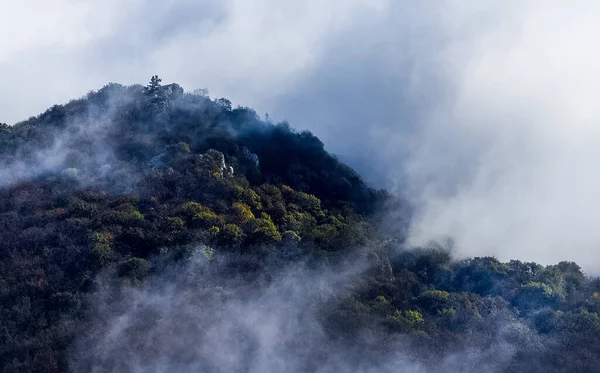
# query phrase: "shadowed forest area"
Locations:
[[145, 228]]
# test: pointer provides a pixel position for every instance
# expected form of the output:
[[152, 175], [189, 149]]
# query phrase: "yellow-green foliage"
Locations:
[[213, 231], [382, 300], [537, 287], [101, 251], [325, 234], [299, 222], [247, 196], [434, 300], [436, 294], [380, 305], [199, 215], [309, 203], [264, 215], [287, 190], [582, 321], [410, 318], [340, 232], [242, 212], [264, 230], [208, 252], [335, 220], [231, 234], [272, 200], [555, 279], [291, 236], [79, 207], [125, 214], [184, 146], [174, 224], [192, 208], [534, 295], [131, 212]]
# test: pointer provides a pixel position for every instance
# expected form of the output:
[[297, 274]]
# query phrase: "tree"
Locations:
[[224, 103], [157, 97], [154, 85]]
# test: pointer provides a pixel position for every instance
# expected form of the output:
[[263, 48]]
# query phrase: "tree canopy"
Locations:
[[145, 178]]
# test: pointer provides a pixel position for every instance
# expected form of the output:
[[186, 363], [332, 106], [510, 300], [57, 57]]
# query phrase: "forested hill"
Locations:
[[144, 228]]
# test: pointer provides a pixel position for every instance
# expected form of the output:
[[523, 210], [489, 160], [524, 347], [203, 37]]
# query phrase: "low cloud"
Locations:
[[203, 316], [483, 114]]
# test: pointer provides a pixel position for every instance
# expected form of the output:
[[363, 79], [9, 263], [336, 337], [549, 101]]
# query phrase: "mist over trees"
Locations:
[[145, 228]]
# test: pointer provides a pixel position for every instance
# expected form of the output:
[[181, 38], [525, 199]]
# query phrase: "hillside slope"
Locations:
[[187, 218]]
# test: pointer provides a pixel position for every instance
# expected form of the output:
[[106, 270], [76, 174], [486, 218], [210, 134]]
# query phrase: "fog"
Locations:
[[482, 113], [197, 317]]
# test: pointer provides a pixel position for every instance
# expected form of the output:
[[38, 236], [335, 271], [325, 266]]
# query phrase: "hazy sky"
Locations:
[[484, 112]]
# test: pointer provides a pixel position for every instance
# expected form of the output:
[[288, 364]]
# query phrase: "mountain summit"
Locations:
[[146, 228]]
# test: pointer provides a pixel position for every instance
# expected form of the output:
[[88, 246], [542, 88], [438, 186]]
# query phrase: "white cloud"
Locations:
[[525, 91], [485, 112], [245, 50]]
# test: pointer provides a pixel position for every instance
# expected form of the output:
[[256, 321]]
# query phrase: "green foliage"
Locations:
[[410, 318], [434, 301], [309, 203], [291, 236], [547, 320], [185, 147], [554, 277], [208, 252], [381, 300], [298, 222], [242, 212], [483, 276], [81, 208], [198, 215], [263, 230], [537, 288], [534, 295], [231, 235], [124, 214], [134, 270], [174, 224], [214, 231], [101, 252], [247, 197], [64, 304], [581, 321], [191, 209], [167, 196]]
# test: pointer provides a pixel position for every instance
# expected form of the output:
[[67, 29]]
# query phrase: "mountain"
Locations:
[[145, 228]]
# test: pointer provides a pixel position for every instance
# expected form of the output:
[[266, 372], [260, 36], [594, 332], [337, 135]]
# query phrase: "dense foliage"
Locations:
[[129, 181]]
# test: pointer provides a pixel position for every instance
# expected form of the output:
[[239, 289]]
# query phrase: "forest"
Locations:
[[146, 228]]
